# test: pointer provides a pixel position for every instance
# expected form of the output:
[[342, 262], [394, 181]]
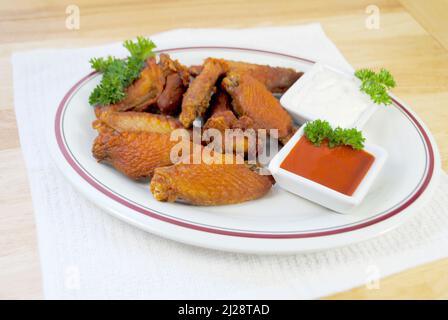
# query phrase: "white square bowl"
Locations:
[[319, 193], [292, 98]]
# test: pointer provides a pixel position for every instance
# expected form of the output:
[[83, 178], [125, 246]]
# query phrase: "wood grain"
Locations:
[[432, 16], [411, 42]]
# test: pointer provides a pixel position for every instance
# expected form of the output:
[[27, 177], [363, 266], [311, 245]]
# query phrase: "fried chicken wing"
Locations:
[[197, 98], [135, 143], [136, 154], [170, 66], [170, 99], [276, 79], [145, 90], [251, 98], [195, 70], [220, 102], [209, 184], [222, 118], [132, 121], [177, 79], [221, 121], [220, 107]]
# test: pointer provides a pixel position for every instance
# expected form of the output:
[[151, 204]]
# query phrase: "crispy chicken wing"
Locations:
[[252, 99], [177, 78], [220, 107], [209, 184], [219, 103], [276, 79], [195, 70], [136, 154], [138, 121], [135, 143], [223, 118], [145, 90], [197, 98], [170, 66], [170, 99]]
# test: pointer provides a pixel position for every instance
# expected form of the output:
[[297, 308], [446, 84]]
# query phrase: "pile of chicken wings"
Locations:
[[134, 134]]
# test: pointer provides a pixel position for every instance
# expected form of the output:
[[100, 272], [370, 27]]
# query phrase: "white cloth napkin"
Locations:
[[86, 253]]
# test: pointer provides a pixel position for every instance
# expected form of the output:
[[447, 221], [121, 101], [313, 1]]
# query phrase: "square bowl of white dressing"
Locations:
[[328, 94]]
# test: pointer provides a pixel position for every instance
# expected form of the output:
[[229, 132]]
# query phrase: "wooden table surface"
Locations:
[[411, 41]]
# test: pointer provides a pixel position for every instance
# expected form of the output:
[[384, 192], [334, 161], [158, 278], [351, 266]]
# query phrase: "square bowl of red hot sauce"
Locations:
[[337, 178]]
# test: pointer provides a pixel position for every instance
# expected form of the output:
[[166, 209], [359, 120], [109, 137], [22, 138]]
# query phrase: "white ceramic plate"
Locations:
[[280, 222]]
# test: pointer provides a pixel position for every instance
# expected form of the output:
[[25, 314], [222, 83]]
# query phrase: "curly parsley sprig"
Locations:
[[319, 130], [118, 74], [376, 84]]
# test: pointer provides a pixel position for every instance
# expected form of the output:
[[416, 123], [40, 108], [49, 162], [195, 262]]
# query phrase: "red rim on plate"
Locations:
[[387, 215]]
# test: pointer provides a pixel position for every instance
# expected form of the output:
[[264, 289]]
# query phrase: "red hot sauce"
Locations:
[[340, 168]]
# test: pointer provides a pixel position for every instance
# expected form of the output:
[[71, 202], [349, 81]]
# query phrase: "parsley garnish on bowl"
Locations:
[[376, 84], [118, 74], [319, 130]]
